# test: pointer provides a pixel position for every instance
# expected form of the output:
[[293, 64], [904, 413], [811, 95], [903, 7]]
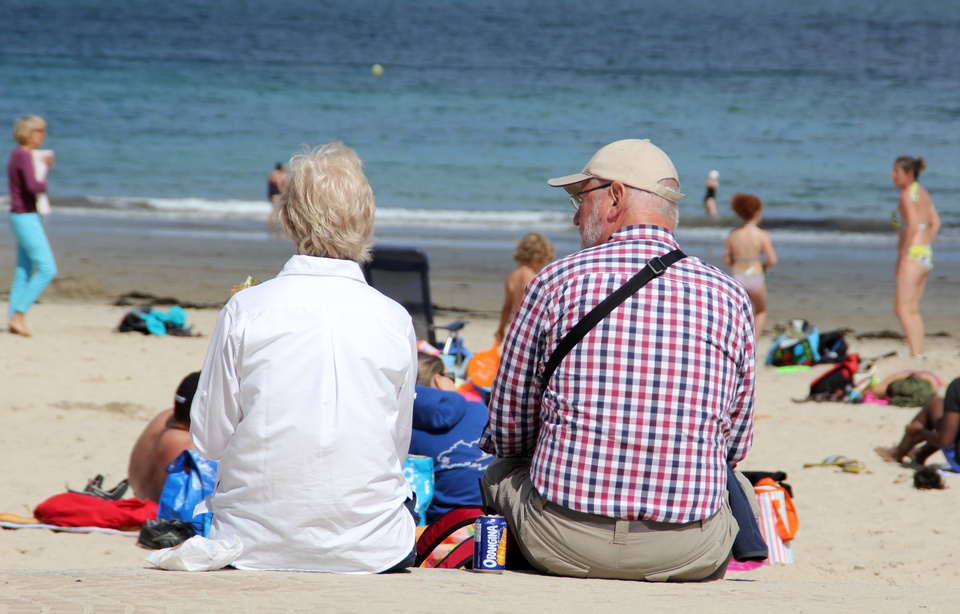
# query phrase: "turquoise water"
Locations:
[[183, 108]]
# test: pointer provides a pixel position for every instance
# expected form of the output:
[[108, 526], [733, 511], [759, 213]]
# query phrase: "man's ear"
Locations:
[[618, 194]]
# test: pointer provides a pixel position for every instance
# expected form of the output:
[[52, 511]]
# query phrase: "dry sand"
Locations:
[[74, 397]]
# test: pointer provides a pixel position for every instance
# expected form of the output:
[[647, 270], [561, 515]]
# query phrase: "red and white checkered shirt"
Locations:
[[639, 420]]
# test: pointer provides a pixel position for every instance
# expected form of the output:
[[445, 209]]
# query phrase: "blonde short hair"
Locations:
[[534, 248], [23, 126], [428, 367], [327, 206]]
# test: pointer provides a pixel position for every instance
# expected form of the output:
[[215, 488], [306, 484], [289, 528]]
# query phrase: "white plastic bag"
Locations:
[[41, 166], [198, 554]]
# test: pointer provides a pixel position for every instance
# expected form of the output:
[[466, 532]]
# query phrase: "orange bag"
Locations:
[[778, 520], [786, 518], [483, 367]]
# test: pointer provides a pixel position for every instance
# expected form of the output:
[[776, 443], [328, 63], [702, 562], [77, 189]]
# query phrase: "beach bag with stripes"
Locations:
[[448, 542], [778, 520]]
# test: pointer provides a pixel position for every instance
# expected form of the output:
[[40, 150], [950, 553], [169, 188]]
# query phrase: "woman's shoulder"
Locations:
[[747, 232], [19, 154], [735, 232]]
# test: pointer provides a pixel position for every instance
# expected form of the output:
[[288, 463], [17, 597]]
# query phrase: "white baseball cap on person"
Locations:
[[637, 163]]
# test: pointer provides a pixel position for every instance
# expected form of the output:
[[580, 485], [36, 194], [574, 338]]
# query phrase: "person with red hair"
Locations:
[[749, 253]]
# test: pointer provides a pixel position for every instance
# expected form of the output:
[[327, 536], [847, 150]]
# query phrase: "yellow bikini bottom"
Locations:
[[922, 254]]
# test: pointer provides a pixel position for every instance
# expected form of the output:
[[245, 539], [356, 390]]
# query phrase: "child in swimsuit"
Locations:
[[749, 252], [533, 252]]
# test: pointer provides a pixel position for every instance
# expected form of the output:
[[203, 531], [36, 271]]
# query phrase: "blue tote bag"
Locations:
[[190, 479]]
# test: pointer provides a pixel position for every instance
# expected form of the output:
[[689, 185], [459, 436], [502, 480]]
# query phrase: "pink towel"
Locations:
[[870, 398]]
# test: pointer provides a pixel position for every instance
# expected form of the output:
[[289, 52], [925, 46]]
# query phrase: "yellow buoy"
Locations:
[[377, 70]]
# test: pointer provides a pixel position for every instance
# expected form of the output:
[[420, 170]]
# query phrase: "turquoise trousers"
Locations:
[[35, 265]]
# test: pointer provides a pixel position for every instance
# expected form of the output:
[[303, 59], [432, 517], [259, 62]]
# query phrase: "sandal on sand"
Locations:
[[846, 465], [95, 488], [855, 466], [114, 494], [830, 461]]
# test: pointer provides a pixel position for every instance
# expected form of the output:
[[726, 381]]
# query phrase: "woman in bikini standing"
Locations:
[[917, 220], [749, 253]]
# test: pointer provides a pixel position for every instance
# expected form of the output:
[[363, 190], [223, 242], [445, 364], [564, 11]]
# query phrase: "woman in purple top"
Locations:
[[35, 265]]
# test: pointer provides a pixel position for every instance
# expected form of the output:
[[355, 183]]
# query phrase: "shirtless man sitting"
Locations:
[[936, 427], [167, 435]]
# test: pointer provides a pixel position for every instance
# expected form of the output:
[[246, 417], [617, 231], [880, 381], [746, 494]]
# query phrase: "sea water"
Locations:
[[177, 110]]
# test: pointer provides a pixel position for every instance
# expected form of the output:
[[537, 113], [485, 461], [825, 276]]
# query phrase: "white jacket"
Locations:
[[305, 398]]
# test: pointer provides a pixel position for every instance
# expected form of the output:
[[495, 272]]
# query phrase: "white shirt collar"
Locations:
[[314, 265]]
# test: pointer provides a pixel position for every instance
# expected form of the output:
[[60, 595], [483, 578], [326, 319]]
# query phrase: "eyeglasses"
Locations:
[[577, 199]]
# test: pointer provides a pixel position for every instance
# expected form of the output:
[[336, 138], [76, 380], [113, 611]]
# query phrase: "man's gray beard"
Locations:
[[592, 230]]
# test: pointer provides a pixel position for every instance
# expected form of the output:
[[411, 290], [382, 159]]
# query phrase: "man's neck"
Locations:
[[650, 220]]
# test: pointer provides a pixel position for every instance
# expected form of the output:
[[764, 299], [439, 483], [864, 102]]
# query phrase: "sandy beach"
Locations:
[[75, 396]]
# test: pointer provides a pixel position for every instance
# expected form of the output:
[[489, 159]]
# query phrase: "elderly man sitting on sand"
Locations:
[[615, 460]]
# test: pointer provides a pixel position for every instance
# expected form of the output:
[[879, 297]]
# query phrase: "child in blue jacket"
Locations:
[[447, 427]]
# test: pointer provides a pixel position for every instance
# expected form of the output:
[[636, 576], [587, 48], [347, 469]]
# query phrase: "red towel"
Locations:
[[75, 510]]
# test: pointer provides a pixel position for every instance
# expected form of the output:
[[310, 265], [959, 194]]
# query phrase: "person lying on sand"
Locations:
[[936, 427], [924, 387]]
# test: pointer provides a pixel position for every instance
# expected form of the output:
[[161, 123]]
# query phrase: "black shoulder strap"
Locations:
[[654, 268]]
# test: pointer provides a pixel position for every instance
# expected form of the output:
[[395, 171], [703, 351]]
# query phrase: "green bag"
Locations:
[[910, 391]]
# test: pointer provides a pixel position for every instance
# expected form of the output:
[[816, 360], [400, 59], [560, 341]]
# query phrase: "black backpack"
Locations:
[[833, 346], [836, 383], [133, 323]]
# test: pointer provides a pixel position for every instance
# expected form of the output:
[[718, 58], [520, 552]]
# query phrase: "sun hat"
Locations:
[[634, 162]]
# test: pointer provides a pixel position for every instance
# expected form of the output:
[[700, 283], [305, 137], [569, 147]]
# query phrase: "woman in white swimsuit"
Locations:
[[917, 220], [749, 253]]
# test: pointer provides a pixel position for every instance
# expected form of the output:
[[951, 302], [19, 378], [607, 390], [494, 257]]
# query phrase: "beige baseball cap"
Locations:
[[634, 162]]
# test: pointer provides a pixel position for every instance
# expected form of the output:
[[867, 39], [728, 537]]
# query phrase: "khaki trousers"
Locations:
[[565, 542]]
